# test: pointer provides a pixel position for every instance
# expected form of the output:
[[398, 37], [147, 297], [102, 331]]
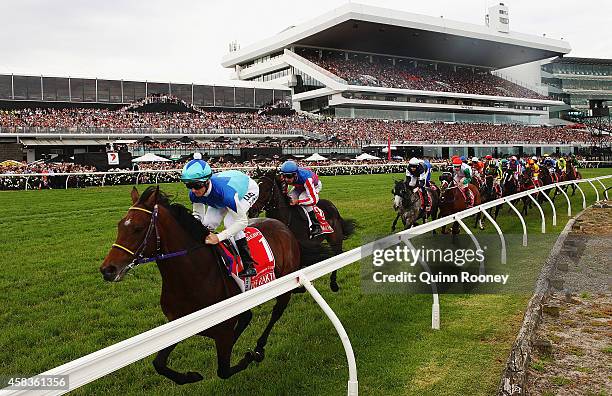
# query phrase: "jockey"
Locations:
[[418, 175], [535, 170], [488, 159], [515, 167], [305, 192], [477, 166], [228, 196], [561, 165], [463, 177], [551, 164], [493, 169]]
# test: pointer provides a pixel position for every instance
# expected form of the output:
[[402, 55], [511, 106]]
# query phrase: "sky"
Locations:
[[183, 41]]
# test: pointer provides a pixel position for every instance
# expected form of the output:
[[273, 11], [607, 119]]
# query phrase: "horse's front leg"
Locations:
[[161, 366], [395, 222]]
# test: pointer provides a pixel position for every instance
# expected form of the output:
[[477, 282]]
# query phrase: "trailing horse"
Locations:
[[193, 274], [274, 201], [452, 200], [409, 204], [490, 192]]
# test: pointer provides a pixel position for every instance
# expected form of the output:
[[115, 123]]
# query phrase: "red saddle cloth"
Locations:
[[426, 208], [327, 229], [262, 255]]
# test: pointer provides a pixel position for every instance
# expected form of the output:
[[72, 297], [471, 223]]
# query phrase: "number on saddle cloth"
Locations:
[[260, 252]]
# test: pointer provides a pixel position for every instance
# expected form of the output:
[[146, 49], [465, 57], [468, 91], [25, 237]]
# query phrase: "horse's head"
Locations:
[[132, 232], [270, 192], [399, 193], [142, 234]]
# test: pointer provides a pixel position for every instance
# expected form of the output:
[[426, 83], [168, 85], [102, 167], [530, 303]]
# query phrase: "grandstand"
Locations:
[[357, 79], [361, 61]]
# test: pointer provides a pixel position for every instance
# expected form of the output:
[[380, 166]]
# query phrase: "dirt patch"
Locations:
[[574, 341], [581, 356]]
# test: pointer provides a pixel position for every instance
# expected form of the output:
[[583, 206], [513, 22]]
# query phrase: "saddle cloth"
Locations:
[[262, 255], [425, 206], [327, 229]]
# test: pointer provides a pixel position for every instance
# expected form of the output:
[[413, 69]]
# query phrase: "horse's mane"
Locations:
[[181, 214]]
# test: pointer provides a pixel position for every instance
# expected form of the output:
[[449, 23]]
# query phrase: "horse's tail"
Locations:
[[312, 252], [348, 227]]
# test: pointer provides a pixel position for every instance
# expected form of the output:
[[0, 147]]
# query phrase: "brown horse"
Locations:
[[193, 275], [274, 201], [452, 201], [490, 191]]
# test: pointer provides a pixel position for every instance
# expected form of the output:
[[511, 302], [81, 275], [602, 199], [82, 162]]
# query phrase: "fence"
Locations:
[[28, 181], [100, 363]]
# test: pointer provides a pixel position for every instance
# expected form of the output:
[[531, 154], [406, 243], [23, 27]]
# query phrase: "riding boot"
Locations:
[[315, 228], [248, 265]]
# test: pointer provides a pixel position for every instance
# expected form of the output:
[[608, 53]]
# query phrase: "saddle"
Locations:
[[261, 253], [426, 200]]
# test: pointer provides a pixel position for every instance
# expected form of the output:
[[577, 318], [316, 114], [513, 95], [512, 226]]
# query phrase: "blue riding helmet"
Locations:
[[462, 158], [196, 170], [289, 167]]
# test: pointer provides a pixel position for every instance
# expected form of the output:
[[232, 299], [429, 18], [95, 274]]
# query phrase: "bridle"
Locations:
[[269, 204], [139, 254]]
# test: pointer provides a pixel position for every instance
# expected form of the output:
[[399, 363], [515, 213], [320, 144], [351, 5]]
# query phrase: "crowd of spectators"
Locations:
[[332, 131], [381, 72], [53, 181]]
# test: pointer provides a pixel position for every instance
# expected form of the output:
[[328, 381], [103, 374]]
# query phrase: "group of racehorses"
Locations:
[[410, 205], [194, 275]]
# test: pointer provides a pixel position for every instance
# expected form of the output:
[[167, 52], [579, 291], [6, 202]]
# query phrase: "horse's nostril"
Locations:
[[108, 271]]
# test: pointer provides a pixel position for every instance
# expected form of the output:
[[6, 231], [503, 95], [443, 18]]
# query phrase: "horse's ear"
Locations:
[[152, 199], [135, 195]]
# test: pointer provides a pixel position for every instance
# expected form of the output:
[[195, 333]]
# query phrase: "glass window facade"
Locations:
[[6, 87], [109, 91], [182, 91], [27, 88], [263, 97], [133, 91], [349, 112], [203, 95], [55, 89], [224, 96], [157, 88]]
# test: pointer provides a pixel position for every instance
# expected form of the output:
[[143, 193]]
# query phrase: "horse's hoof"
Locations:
[[190, 377], [259, 355], [299, 290], [334, 287]]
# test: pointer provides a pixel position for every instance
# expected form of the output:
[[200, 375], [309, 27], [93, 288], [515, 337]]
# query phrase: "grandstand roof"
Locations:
[[582, 61], [358, 27]]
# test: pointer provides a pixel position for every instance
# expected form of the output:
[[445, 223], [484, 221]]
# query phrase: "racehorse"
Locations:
[[409, 206], [572, 174], [193, 274], [274, 201], [511, 186], [452, 201], [489, 192]]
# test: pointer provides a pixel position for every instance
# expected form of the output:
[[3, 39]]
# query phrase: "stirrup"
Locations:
[[248, 272]]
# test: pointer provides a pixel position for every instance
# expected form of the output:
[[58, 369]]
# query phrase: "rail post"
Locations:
[[552, 204], [596, 190], [581, 193], [499, 232], [352, 389], [520, 216], [569, 203], [471, 234], [535, 201], [435, 306]]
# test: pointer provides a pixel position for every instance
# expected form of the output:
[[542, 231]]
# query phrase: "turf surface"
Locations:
[[56, 308]]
